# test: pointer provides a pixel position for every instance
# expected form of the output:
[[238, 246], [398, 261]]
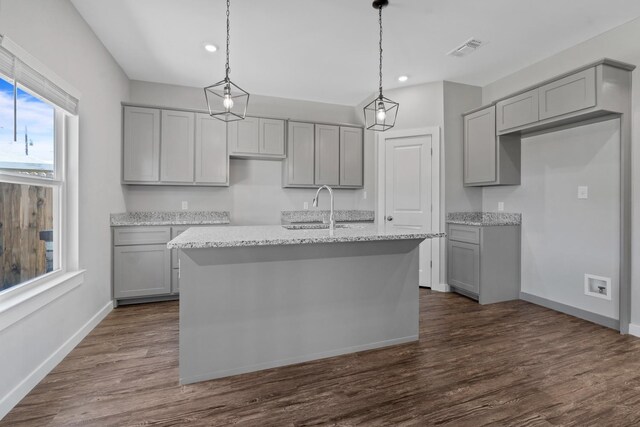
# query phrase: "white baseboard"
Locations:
[[634, 330], [442, 287], [21, 390]]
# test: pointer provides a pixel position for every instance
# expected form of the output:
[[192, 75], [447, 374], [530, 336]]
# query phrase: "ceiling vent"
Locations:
[[466, 48]]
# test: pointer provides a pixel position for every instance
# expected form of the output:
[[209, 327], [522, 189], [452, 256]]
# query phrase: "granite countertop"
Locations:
[[307, 216], [170, 218], [483, 219], [274, 235]]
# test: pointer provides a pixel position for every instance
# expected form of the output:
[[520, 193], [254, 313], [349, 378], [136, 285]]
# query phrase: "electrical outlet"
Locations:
[[306, 205], [500, 206], [583, 192], [364, 195], [185, 205]]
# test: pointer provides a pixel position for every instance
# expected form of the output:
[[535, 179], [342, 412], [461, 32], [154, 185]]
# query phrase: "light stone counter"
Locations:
[[316, 215], [169, 218], [482, 219], [270, 235]]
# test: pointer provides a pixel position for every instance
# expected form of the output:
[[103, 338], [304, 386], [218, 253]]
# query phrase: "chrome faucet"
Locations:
[[332, 220]]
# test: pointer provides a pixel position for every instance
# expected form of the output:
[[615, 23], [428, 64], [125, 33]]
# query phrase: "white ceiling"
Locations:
[[327, 50]]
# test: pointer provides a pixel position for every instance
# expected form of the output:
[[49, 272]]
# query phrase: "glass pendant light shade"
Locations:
[[226, 100], [381, 113]]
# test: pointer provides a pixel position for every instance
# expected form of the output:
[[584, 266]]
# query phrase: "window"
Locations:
[[32, 173]]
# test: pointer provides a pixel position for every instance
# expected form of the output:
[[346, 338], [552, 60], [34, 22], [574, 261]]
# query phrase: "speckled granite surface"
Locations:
[[170, 218], [292, 217], [484, 218], [273, 235]]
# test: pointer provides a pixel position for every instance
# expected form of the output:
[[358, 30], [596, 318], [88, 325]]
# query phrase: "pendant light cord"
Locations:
[[228, 68], [380, 22]]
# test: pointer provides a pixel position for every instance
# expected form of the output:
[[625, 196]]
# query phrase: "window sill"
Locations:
[[15, 306]]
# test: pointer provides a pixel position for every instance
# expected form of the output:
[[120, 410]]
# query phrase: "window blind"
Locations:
[[26, 76]]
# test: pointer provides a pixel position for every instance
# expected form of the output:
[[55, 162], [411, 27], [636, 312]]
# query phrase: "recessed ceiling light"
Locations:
[[403, 78], [210, 47]]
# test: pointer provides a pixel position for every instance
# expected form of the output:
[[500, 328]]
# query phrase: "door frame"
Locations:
[[381, 138]]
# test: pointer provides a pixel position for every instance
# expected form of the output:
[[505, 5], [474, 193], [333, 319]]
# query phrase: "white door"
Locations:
[[407, 183]]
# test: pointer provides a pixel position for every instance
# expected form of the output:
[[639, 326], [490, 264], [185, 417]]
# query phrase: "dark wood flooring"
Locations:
[[508, 364]]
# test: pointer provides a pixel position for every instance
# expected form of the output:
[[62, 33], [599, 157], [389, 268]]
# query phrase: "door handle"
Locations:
[[389, 218]]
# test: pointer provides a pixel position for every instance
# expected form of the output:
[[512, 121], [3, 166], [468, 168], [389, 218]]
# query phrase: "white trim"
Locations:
[[607, 282], [21, 390], [634, 329], [16, 304], [434, 132], [441, 287]]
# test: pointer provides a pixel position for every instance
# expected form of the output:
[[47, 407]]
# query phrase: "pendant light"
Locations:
[[226, 101], [380, 114]]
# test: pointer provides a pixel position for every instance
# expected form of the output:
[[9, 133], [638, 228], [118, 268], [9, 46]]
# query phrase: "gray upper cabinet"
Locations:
[[257, 138], [299, 166], [177, 148], [569, 94], [517, 111], [351, 156], [480, 147], [327, 155], [272, 138], [211, 157], [244, 136], [141, 145]]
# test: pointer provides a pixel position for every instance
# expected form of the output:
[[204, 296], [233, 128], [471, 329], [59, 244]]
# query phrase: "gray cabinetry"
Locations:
[[211, 156], [141, 262], [517, 111], [569, 94], [489, 159], [351, 157], [299, 166], [327, 155], [258, 138], [141, 145], [177, 147], [484, 262]]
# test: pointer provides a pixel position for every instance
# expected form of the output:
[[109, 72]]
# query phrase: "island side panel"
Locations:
[[244, 309]]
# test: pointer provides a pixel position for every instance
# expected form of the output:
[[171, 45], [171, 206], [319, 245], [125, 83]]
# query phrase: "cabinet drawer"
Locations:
[[572, 93], [517, 111], [464, 233], [140, 236]]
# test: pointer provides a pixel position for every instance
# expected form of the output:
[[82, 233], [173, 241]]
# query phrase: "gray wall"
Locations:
[[54, 33], [619, 43], [255, 194], [564, 237]]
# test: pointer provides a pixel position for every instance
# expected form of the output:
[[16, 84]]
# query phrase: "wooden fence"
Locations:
[[25, 210]]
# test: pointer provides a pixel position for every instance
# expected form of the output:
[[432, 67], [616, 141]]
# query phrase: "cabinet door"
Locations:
[[351, 157], [480, 146], [327, 155], [244, 136], [175, 279], [141, 270], [573, 93], [517, 111], [272, 137], [176, 147], [464, 266], [300, 149], [212, 158], [141, 145]]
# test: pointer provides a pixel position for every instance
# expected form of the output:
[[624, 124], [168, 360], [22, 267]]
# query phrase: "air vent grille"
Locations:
[[466, 48]]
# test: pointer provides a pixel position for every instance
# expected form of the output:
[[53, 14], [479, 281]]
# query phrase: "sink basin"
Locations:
[[311, 226]]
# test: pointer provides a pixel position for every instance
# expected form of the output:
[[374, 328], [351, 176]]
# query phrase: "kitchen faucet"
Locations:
[[332, 220]]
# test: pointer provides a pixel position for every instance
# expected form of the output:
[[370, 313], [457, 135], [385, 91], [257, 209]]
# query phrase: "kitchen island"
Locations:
[[258, 297]]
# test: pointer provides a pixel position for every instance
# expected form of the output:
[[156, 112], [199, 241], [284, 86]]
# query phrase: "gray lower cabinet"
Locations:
[[141, 271], [484, 262]]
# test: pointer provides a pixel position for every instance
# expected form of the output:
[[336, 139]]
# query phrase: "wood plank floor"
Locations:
[[508, 364]]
